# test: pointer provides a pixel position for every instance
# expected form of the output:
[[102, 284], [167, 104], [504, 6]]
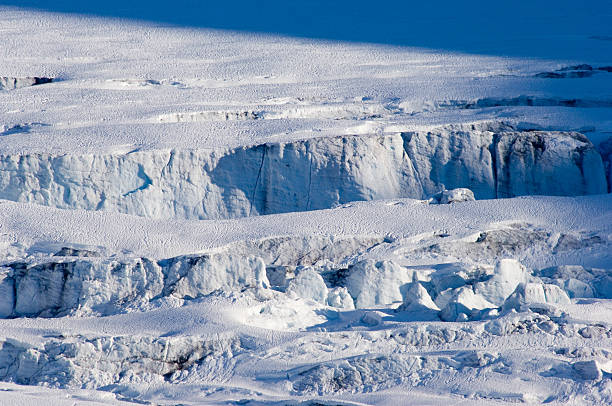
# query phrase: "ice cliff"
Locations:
[[82, 286], [309, 174], [109, 286]]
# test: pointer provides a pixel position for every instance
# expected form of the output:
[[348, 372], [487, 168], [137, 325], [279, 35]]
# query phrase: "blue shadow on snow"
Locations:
[[542, 28]]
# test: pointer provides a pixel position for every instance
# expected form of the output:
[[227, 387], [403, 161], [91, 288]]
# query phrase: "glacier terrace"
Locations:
[[197, 216]]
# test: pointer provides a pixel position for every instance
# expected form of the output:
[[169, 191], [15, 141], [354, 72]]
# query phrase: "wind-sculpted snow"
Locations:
[[305, 175]]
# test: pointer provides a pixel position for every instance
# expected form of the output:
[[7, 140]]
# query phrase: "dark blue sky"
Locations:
[[495, 27]]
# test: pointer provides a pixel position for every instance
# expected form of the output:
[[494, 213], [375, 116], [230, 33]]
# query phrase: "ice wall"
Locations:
[[107, 286], [311, 174]]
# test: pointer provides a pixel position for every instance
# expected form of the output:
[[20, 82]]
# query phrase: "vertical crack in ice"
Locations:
[[263, 158], [503, 174], [309, 176], [56, 177], [14, 278], [101, 202], [343, 172], [493, 152], [406, 138], [164, 175], [168, 165]]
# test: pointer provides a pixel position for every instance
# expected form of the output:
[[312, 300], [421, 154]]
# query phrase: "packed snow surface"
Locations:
[[198, 216]]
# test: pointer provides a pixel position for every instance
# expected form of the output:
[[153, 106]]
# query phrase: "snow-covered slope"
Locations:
[[198, 216]]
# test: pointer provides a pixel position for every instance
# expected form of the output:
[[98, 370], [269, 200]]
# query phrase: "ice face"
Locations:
[[106, 286], [528, 294], [507, 275], [305, 175]]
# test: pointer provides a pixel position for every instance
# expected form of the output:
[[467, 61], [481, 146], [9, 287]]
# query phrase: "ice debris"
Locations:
[[308, 284], [588, 370], [9, 83], [508, 273], [453, 196], [531, 295], [417, 300]]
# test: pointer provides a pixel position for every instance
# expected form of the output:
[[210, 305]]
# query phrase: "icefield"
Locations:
[[211, 213]]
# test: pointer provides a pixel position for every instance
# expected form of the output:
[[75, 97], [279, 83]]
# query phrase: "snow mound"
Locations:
[[308, 284], [340, 298], [463, 305], [373, 283]]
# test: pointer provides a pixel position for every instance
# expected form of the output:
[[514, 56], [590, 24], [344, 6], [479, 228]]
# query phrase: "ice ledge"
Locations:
[[318, 173]]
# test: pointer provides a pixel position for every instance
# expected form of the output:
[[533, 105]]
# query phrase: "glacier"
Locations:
[[395, 310], [198, 216]]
